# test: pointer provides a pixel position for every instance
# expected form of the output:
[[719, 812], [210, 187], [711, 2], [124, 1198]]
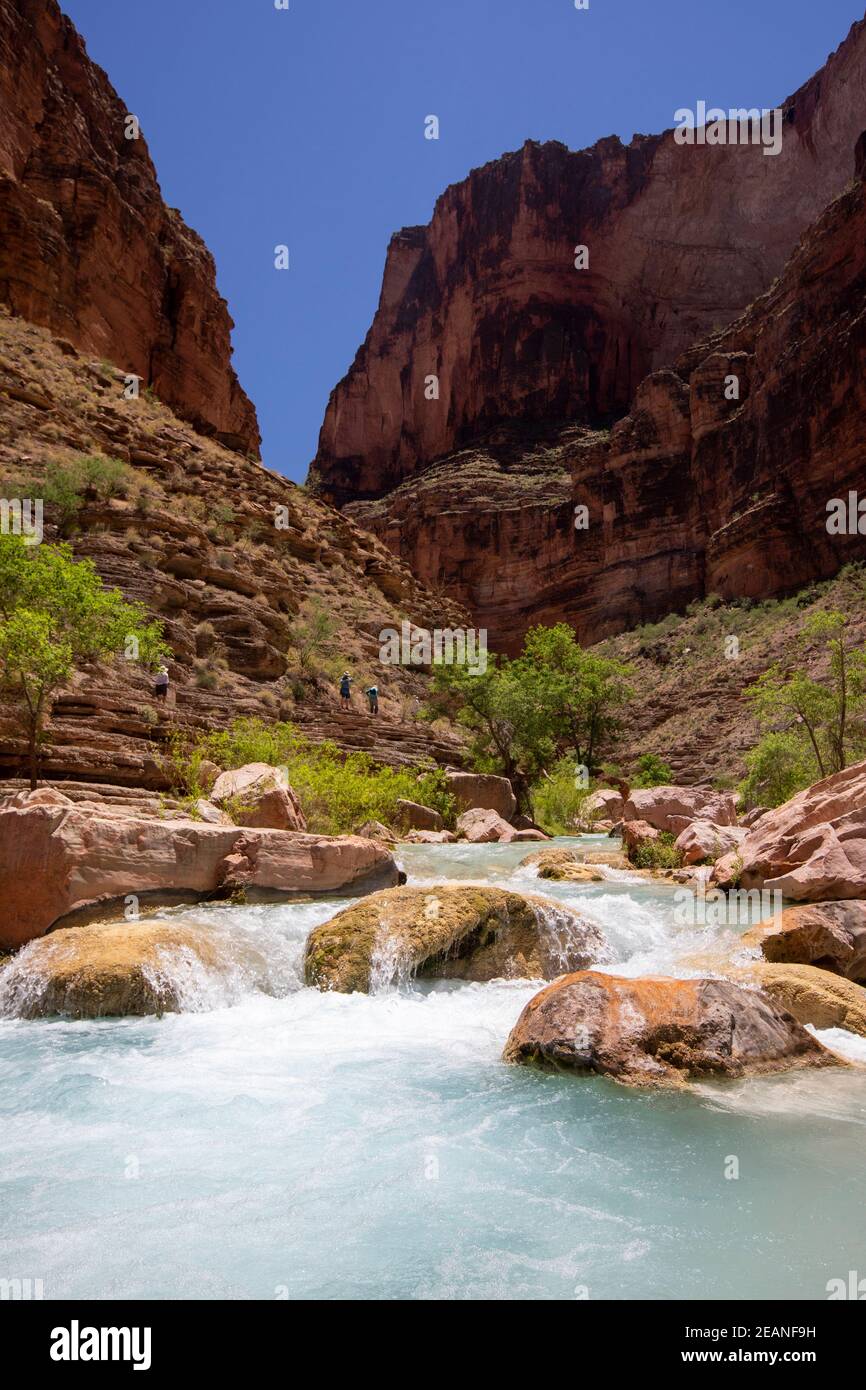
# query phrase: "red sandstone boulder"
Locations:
[[636, 833], [431, 837], [414, 817], [659, 1031], [488, 793], [604, 805], [674, 808], [703, 843], [56, 859], [375, 830], [811, 849], [483, 827], [831, 936], [259, 795]]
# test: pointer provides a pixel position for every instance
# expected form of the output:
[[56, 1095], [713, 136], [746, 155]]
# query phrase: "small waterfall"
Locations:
[[389, 964], [569, 941]]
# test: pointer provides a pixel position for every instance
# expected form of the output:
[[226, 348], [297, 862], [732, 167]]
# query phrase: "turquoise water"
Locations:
[[292, 1144]]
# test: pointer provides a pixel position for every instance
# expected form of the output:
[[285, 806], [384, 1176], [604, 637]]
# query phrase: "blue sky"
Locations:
[[306, 127]]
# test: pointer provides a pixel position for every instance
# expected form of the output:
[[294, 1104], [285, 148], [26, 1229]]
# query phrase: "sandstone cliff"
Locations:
[[189, 530], [88, 248], [688, 494], [487, 298]]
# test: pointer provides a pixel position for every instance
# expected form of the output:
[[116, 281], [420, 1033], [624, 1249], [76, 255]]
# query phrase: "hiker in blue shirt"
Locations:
[[373, 696], [346, 690]]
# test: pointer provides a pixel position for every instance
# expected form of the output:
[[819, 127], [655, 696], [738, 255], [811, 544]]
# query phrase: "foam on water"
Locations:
[[375, 1146]]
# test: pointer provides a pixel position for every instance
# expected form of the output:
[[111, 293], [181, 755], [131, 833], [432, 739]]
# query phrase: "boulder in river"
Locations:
[[133, 968], [702, 842], [813, 996], [452, 931], [660, 1031], [812, 848], [673, 808], [831, 936], [484, 791], [481, 827], [562, 865], [57, 859]]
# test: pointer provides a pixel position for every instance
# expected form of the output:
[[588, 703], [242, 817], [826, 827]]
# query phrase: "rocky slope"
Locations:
[[88, 248], [487, 297], [191, 533], [689, 494]]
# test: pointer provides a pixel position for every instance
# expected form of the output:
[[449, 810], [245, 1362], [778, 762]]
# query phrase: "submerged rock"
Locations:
[[134, 968], [813, 996], [452, 931], [562, 865], [659, 1031], [613, 858]]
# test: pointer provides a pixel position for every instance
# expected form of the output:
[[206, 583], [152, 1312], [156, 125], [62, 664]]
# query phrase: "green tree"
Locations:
[[825, 713], [583, 693], [780, 765], [553, 701], [313, 636], [55, 615]]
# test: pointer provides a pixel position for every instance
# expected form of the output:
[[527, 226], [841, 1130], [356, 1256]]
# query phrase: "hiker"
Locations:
[[373, 696], [345, 690], [160, 685]]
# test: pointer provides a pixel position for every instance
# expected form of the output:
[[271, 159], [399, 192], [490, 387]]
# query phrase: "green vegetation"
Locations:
[[313, 638], [657, 854], [68, 486], [652, 771], [556, 700], [56, 615], [558, 799], [811, 727], [338, 791]]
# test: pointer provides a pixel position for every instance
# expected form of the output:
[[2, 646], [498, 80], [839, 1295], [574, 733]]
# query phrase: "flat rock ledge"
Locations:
[[62, 864], [452, 931]]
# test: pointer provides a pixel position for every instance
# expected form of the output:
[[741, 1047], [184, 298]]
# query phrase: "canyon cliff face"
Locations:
[[691, 493], [487, 297], [88, 248]]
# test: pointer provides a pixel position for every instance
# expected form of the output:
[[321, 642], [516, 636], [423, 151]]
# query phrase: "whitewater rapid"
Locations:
[[274, 1142]]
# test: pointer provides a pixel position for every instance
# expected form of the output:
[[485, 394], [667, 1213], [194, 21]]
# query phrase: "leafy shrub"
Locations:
[[557, 800], [652, 771], [658, 854], [337, 790], [780, 765], [67, 486]]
